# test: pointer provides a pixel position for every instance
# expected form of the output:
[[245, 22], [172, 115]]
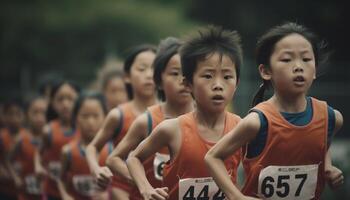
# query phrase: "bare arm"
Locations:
[[136, 133], [244, 132], [164, 135], [38, 167], [334, 176], [102, 174]]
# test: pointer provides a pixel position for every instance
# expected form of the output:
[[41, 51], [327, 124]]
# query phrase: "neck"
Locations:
[[141, 103], [173, 110], [290, 104], [209, 119], [36, 131]]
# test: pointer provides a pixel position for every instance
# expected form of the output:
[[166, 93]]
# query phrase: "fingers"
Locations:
[[163, 192], [337, 181]]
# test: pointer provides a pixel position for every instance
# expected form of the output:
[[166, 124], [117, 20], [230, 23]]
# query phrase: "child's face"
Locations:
[[292, 65], [141, 74], [14, 117], [63, 101], [214, 83], [172, 82], [36, 114], [115, 92], [90, 118]]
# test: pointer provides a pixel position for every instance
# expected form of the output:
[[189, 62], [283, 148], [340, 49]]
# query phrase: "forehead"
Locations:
[[293, 42], [144, 56], [216, 60], [174, 61]]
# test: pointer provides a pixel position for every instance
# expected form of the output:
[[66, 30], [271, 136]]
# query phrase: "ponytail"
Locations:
[[259, 95]]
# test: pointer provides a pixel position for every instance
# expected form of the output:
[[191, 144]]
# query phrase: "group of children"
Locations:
[[162, 130]]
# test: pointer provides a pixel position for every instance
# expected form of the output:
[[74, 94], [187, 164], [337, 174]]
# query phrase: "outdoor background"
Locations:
[[40, 40]]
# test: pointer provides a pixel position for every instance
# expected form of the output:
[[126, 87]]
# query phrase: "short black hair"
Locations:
[[85, 95], [129, 60], [208, 41], [167, 48]]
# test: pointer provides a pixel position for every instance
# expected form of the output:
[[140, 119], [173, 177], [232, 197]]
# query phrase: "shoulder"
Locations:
[[338, 120], [168, 128], [251, 122]]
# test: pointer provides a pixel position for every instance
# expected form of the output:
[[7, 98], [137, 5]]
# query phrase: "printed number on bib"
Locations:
[[158, 165], [85, 185], [199, 189], [55, 169], [32, 184], [288, 182]]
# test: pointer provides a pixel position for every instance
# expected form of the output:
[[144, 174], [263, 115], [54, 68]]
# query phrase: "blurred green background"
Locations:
[[74, 39]]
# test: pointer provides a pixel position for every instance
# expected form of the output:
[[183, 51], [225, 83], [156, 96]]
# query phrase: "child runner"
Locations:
[[141, 89], [177, 101], [56, 134], [24, 150], [286, 137], [210, 63], [76, 180]]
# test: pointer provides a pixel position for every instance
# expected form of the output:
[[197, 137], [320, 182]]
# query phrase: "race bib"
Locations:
[[85, 185], [55, 169], [158, 165], [288, 182], [32, 184], [199, 189]]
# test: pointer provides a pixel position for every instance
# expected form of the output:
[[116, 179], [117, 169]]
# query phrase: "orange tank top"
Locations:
[[127, 116], [52, 156], [186, 175], [80, 182], [25, 156], [7, 141], [291, 165]]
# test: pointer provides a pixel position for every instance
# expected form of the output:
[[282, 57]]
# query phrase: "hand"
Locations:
[[334, 177], [156, 194], [18, 182], [40, 171], [103, 177]]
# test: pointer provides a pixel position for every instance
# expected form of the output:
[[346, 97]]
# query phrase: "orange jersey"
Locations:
[[291, 165], [7, 141], [127, 116], [25, 156], [52, 156], [186, 175], [80, 183]]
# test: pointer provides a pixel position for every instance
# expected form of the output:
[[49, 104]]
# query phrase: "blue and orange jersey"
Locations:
[[293, 155], [51, 157], [24, 155], [127, 116], [80, 183], [185, 173]]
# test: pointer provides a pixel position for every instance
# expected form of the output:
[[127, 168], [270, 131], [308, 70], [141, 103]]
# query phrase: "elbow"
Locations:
[[130, 158], [109, 162], [208, 158]]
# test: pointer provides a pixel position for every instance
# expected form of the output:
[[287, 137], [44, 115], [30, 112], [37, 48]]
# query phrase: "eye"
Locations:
[[174, 73], [286, 60], [228, 77], [207, 76], [307, 59]]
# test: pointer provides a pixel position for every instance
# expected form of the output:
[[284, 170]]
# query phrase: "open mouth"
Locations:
[[299, 79], [218, 98]]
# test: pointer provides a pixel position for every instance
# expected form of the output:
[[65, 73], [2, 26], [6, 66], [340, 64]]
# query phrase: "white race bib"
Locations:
[[288, 182], [158, 165], [55, 169], [199, 189], [85, 185], [33, 185]]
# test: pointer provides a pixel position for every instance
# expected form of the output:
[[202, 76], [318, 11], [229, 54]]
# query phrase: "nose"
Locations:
[[218, 84], [298, 67], [149, 73]]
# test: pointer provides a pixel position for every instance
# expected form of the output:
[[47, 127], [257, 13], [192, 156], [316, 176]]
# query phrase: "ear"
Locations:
[[126, 78], [265, 72]]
